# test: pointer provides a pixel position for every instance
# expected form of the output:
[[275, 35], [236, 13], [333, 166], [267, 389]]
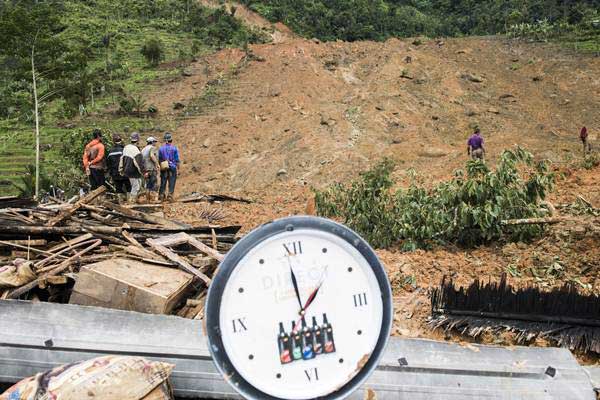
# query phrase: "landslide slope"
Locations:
[[302, 112]]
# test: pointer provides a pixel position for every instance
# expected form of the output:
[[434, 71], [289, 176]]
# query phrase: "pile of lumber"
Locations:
[[59, 238]]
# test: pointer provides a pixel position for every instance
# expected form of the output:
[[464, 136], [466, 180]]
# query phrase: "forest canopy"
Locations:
[[380, 19]]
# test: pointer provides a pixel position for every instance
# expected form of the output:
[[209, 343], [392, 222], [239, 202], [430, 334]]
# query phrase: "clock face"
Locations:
[[301, 313]]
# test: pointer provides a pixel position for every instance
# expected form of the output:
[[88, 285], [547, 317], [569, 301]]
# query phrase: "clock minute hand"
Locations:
[[295, 283]]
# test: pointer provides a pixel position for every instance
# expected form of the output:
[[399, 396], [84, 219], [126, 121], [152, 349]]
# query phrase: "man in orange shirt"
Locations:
[[94, 163]]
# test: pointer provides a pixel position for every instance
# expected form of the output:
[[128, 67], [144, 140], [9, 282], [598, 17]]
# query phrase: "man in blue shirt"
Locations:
[[168, 157]]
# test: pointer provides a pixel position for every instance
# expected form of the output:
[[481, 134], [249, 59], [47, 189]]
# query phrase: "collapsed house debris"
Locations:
[[89, 246], [563, 315]]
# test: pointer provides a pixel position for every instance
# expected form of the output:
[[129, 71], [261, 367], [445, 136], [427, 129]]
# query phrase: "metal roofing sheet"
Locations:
[[38, 336]]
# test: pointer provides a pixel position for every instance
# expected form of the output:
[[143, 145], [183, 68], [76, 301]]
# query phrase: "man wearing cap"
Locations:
[[131, 166], [122, 185], [168, 156], [93, 160], [151, 168]]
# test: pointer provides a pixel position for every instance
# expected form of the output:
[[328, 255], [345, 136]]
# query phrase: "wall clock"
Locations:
[[301, 308]]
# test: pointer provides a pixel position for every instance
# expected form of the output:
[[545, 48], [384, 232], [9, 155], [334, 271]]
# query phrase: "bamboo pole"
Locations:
[[37, 124]]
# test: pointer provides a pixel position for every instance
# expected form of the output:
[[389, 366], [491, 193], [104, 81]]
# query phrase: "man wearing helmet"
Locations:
[[131, 166], [168, 156]]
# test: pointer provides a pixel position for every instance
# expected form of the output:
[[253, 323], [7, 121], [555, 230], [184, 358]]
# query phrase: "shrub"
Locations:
[[153, 51], [467, 210], [591, 161]]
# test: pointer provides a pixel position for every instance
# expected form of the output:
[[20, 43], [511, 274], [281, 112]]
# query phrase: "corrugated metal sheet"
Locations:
[[38, 336]]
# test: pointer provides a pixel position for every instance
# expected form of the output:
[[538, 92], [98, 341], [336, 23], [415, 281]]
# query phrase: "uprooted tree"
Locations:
[[466, 210]]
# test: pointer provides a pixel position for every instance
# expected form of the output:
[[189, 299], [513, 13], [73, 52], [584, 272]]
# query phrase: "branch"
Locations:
[[535, 221]]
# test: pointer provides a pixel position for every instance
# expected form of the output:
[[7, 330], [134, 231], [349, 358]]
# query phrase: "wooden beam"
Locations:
[[183, 264], [140, 216], [33, 242], [182, 237], [88, 198], [69, 243]]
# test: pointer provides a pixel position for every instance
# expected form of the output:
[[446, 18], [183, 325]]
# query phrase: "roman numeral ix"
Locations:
[[360, 300], [311, 374], [239, 325]]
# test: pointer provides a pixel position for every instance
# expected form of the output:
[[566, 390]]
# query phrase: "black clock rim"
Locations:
[[240, 249]]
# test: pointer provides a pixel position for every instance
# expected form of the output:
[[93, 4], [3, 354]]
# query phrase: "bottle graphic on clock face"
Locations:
[[317, 337], [328, 343], [327, 282], [285, 345], [307, 341], [296, 343]]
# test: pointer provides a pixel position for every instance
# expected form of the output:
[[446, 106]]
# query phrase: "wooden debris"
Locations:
[[61, 239], [71, 210], [130, 285], [181, 262], [535, 221]]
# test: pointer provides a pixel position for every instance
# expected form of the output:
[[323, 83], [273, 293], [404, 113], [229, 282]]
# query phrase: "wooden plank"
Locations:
[[18, 246], [205, 249], [181, 238], [88, 198], [183, 264], [132, 240], [69, 243], [140, 216], [57, 280], [172, 240], [33, 242]]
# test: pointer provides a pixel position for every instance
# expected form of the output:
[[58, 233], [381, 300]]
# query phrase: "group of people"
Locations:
[[476, 149], [134, 170]]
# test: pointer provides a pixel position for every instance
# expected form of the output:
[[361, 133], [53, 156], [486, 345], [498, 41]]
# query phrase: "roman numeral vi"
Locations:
[[311, 374]]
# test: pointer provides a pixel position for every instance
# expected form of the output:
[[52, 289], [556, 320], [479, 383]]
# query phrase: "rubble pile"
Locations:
[[48, 251]]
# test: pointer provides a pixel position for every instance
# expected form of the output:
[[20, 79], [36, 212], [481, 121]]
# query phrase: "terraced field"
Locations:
[[17, 152]]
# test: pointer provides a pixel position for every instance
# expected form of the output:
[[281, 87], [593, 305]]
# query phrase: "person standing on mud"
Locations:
[[131, 166], [168, 156], [583, 135], [475, 145], [121, 184], [151, 167], [93, 160]]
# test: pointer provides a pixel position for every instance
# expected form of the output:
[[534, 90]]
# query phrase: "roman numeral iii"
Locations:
[[360, 300], [293, 248], [311, 374], [239, 325]]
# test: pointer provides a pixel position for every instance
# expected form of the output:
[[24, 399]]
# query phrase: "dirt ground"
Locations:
[[272, 123]]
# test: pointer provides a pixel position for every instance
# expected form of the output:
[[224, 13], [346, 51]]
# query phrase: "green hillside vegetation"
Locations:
[[381, 19], [92, 57]]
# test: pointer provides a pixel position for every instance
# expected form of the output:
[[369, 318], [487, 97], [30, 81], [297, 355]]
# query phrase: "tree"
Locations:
[[153, 52]]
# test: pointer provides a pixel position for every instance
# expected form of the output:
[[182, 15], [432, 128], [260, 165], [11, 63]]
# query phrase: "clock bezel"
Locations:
[[234, 256]]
